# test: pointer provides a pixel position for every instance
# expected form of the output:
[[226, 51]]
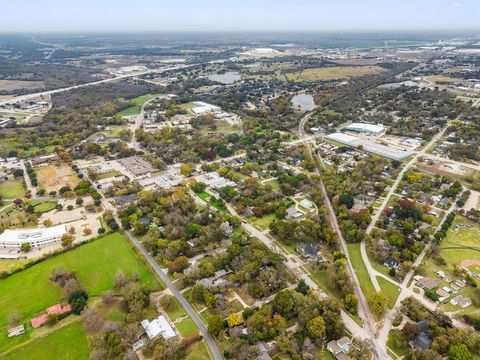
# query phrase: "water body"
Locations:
[[303, 102], [228, 77]]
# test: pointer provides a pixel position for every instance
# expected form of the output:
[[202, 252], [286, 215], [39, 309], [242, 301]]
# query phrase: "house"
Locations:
[[460, 283], [16, 331], [391, 263], [206, 283], [56, 309], [220, 274], [307, 204], [158, 327], [442, 295], [226, 228], [461, 301], [427, 283], [339, 348], [3, 176], [443, 201], [310, 252], [422, 341], [293, 213]]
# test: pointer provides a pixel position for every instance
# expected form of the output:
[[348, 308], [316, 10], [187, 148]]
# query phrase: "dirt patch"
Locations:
[[53, 177], [469, 262]]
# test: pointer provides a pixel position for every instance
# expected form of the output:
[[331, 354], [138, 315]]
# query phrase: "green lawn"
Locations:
[[198, 351], [187, 327], [43, 206], [390, 290], [360, 270], [67, 343], [274, 184], [175, 310], [12, 189], [464, 237], [96, 263], [264, 222], [137, 104]]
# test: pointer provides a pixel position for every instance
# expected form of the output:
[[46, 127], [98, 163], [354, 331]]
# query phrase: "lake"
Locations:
[[228, 77], [303, 102]]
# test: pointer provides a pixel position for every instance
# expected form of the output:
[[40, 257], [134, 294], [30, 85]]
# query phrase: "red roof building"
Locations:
[[56, 309], [39, 321]]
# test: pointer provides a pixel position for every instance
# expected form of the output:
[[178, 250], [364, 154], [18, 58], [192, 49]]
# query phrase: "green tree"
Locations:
[[459, 352], [378, 303], [302, 287], [25, 247], [215, 325], [351, 303], [317, 329]]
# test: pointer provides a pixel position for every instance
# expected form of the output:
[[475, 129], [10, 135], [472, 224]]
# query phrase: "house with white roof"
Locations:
[[158, 327]]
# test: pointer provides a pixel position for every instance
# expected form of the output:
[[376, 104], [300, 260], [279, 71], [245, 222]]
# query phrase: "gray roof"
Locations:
[[422, 341]]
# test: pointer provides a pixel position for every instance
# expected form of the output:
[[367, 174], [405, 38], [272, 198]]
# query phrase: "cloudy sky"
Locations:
[[238, 15]]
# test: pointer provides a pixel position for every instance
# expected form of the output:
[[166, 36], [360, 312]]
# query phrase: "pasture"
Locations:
[[332, 73], [30, 291], [66, 343]]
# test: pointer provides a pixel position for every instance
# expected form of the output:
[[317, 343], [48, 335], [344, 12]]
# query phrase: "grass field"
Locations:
[[198, 351], [187, 327], [397, 343], [361, 270], [332, 73], [67, 343], [468, 236], [390, 290], [12, 189], [96, 263], [137, 104], [53, 177], [264, 222], [43, 206]]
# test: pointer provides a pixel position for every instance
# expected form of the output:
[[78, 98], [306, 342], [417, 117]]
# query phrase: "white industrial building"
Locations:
[[202, 108], [35, 237], [365, 128], [390, 151], [158, 327]]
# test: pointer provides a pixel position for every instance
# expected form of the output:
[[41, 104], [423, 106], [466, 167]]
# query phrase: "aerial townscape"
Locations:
[[240, 180]]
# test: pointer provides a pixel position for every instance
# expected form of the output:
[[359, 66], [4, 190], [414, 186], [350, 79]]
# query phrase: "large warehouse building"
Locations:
[[391, 151], [365, 128], [34, 237]]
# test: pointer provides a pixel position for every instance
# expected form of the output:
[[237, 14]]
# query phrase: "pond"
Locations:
[[303, 102], [228, 77]]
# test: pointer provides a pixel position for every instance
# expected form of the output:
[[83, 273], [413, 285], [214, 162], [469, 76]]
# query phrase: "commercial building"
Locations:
[[136, 166], [202, 108], [35, 237], [366, 128], [388, 151], [158, 327]]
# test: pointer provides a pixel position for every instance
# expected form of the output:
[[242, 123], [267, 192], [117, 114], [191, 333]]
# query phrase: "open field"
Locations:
[[12, 189], [441, 79], [95, 263], [11, 86], [43, 206], [361, 270], [390, 290], [198, 351], [137, 104], [264, 222], [53, 177], [332, 73], [187, 327], [461, 245], [66, 343]]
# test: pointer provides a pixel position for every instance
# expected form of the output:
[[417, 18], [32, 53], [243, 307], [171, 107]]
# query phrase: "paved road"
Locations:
[[56, 91], [364, 310], [188, 308], [371, 271]]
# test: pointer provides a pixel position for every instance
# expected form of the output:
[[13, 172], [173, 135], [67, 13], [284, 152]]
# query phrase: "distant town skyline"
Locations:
[[239, 15]]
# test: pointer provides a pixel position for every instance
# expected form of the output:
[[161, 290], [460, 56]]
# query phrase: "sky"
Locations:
[[238, 15]]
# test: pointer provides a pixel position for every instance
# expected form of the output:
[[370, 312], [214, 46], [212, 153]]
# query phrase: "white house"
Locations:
[[35, 237], [158, 327]]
